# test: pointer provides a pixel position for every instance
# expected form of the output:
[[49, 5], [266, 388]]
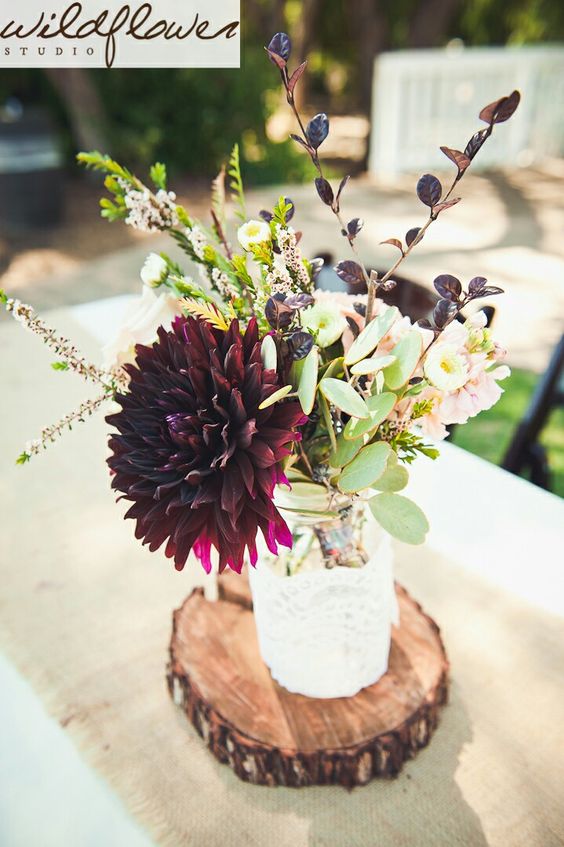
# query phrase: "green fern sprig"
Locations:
[[236, 183], [218, 196]]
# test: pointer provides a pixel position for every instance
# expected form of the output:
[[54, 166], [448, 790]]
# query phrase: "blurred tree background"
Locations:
[[190, 118]]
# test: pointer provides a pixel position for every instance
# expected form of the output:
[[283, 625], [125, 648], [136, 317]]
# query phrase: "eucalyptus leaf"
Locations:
[[368, 466], [307, 383], [311, 513], [400, 516], [304, 495], [370, 366], [395, 477], [295, 475], [371, 336], [326, 413], [335, 367], [407, 352], [345, 452], [268, 353], [278, 395], [344, 397], [380, 406]]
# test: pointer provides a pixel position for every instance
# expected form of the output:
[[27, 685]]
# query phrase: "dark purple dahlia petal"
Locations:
[[193, 452]]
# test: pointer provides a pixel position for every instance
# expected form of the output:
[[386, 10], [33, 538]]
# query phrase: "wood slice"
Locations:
[[271, 737]]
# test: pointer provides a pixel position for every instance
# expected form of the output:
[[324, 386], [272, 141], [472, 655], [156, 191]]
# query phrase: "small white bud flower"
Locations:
[[154, 271]]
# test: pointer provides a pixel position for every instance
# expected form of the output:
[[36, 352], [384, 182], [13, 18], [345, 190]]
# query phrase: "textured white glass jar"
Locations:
[[326, 632]]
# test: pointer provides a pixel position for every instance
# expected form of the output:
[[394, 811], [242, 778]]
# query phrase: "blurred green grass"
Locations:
[[489, 434]]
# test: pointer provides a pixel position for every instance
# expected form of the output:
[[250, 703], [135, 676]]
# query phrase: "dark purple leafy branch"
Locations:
[[454, 299], [311, 139], [282, 312], [429, 188]]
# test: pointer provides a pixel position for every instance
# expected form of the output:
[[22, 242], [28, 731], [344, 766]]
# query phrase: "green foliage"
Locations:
[[328, 420], [236, 183], [407, 352], [23, 458], [281, 211], [304, 377], [262, 254], [218, 197], [342, 395], [400, 516], [345, 451], [105, 164], [407, 446], [370, 336], [276, 396], [239, 267], [113, 211], [422, 408], [367, 467], [380, 406], [158, 175], [394, 478], [60, 366], [269, 354]]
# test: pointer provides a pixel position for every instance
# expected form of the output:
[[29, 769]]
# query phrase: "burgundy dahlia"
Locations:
[[194, 453]]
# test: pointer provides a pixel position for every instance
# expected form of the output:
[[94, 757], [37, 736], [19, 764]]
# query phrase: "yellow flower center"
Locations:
[[447, 366]]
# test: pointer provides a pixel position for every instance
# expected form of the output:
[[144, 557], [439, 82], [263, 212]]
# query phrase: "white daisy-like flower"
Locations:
[[253, 232], [327, 320], [445, 368], [154, 270]]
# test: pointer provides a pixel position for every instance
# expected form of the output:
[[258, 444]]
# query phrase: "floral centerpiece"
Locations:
[[253, 406]]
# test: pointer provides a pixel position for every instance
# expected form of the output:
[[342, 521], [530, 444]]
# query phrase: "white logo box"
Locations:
[[114, 33]]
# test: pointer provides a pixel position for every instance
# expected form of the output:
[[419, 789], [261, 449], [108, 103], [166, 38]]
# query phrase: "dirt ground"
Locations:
[[30, 260]]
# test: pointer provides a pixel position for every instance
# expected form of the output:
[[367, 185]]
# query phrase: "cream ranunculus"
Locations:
[[253, 232], [445, 368], [154, 270], [140, 326], [327, 320]]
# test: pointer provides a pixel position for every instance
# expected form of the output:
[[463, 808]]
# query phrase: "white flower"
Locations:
[[154, 270], [140, 327], [253, 232], [445, 368], [327, 319]]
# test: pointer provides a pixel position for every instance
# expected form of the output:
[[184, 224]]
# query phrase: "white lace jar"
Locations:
[[325, 631]]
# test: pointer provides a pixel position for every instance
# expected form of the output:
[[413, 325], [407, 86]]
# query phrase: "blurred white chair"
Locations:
[[427, 98]]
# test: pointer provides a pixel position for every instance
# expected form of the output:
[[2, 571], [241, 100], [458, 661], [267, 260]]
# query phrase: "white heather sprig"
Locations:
[[279, 281], [223, 284], [65, 350], [197, 241], [147, 211], [287, 242], [50, 433]]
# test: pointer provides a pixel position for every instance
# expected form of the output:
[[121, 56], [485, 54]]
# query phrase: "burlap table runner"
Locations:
[[86, 615]]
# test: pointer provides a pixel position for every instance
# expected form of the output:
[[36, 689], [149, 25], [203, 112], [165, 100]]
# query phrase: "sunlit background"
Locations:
[[398, 78]]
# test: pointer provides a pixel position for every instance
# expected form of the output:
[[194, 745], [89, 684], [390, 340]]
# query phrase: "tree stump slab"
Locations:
[[271, 737]]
